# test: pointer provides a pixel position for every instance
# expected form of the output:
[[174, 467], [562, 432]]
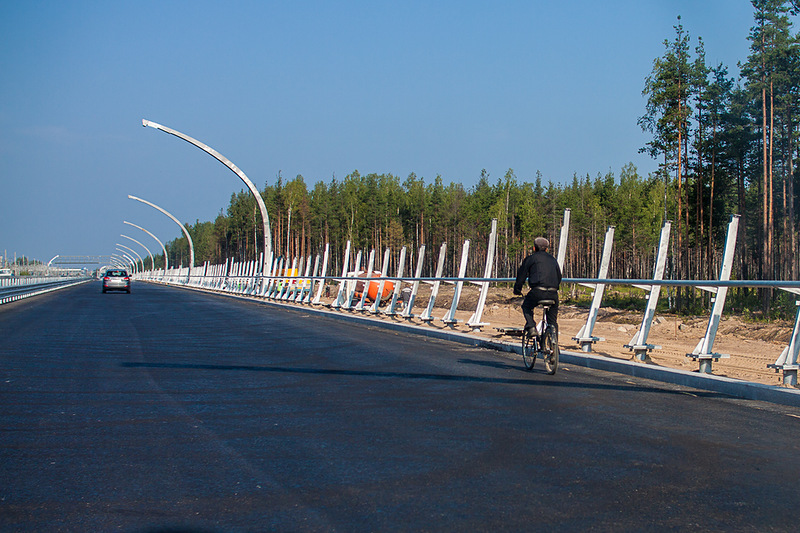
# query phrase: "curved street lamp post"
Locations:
[[163, 248], [127, 260], [134, 252], [152, 263], [225, 161], [183, 228]]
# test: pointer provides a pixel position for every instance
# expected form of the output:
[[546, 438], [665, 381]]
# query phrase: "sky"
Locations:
[[314, 88]]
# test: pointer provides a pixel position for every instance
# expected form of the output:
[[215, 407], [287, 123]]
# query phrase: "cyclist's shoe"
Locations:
[[530, 331]]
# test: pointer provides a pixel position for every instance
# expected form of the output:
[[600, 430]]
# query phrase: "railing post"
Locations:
[[311, 281], [368, 276], [415, 287], [384, 272], [474, 321], [787, 361], [277, 284], [289, 279], [351, 283], [562, 240], [231, 285], [250, 280], [584, 337], [450, 317], [639, 341], [323, 274], [224, 281], [702, 351], [258, 275], [340, 294], [427, 315], [304, 281], [399, 283], [273, 270], [266, 275]]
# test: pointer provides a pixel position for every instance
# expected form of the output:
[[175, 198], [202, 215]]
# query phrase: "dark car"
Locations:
[[116, 279]]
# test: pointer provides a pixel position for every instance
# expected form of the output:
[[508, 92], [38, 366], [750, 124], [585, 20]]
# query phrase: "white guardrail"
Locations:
[[296, 281], [19, 287]]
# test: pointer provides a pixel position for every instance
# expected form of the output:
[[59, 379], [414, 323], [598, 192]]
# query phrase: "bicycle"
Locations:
[[544, 344]]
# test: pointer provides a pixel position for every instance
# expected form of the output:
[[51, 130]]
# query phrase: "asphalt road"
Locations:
[[168, 409]]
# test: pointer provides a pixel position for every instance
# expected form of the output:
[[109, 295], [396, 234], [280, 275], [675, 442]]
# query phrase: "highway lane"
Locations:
[[173, 408]]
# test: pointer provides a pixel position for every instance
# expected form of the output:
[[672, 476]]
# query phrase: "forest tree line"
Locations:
[[725, 145]]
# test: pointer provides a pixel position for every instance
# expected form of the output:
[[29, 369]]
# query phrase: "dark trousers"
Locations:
[[532, 299]]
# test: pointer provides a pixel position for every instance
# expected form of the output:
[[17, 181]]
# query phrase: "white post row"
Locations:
[[702, 352], [584, 337], [638, 343]]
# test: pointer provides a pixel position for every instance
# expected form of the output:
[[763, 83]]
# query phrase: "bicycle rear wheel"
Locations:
[[551, 351], [528, 351]]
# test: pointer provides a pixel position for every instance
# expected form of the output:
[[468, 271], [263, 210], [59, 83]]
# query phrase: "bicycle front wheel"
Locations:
[[551, 351], [528, 351]]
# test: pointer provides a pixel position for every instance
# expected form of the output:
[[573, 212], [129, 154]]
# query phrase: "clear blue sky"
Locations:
[[318, 88]]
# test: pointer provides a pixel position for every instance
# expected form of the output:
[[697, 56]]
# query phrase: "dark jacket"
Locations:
[[541, 270]]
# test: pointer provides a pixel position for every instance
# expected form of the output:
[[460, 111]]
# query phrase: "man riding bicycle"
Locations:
[[543, 274]]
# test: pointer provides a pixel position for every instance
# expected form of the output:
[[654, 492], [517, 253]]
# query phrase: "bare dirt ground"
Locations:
[[750, 346]]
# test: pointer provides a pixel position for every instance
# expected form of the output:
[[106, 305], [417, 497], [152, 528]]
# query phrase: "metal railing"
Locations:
[[295, 281], [17, 288]]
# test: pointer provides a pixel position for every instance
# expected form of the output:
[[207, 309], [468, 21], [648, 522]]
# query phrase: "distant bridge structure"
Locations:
[[79, 260]]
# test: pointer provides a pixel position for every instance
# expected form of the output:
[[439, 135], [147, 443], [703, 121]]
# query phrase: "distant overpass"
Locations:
[[79, 260]]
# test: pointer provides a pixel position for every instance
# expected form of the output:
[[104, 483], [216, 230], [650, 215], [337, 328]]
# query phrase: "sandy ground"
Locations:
[[750, 346]]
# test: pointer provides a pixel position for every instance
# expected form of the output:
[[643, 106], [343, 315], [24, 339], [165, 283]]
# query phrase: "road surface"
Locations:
[[169, 409]]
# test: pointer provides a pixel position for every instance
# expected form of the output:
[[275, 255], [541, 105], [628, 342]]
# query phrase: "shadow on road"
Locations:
[[533, 379]]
